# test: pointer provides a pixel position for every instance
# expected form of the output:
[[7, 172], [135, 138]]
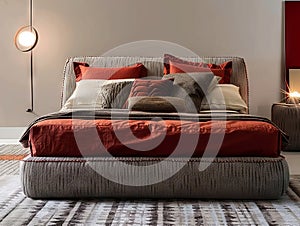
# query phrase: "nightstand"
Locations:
[[287, 118]]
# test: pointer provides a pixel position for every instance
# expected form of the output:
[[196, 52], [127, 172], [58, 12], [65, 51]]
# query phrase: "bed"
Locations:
[[74, 154]]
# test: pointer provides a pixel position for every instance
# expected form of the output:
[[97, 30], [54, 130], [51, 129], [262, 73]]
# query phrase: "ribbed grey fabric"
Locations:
[[225, 178], [287, 117], [155, 69]]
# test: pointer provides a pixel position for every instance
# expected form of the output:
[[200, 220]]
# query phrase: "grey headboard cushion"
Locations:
[[155, 68]]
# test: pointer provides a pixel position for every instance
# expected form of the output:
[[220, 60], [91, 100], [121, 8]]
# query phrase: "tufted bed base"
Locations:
[[230, 178]]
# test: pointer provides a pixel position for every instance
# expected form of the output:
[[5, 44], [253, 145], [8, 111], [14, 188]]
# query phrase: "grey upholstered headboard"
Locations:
[[155, 68]]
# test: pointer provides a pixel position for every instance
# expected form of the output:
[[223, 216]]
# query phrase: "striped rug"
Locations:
[[16, 209], [9, 158]]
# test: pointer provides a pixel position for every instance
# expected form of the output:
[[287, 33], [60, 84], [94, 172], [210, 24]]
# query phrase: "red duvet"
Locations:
[[77, 137]]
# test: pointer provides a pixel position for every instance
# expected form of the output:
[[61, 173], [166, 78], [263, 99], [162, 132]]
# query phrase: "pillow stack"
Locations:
[[185, 87], [206, 93], [100, 88], [174, 64]]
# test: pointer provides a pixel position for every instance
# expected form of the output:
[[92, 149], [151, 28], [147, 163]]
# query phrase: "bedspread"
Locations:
[[125, 133]]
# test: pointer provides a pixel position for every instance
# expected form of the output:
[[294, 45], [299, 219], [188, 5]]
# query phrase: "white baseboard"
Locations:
[[9, 141], [11, 132]]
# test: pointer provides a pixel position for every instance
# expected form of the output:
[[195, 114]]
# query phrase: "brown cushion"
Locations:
[[145, 87], [156, 104], [151, 88]]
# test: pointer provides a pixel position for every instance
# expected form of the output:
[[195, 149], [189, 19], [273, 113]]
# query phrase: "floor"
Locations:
[[293, 158]]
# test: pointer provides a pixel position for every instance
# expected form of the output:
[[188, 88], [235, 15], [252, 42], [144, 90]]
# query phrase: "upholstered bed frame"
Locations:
[[225, 178]]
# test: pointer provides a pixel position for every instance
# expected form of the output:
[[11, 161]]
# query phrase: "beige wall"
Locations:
[[251, 29]]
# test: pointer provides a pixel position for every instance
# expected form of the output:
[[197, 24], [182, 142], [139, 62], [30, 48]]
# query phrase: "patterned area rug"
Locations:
[[9, 158], [16, 209]]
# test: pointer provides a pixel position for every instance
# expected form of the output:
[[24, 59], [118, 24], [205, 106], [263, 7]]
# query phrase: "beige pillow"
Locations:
[[99, 94], [224, 97]]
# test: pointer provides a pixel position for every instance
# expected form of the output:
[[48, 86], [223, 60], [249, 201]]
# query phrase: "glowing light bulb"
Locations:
[[26, 38]]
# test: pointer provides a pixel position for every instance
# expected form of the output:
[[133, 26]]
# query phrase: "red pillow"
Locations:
[[223, 70], [173, 65], [83, 71], [168, 58], [150, 88]]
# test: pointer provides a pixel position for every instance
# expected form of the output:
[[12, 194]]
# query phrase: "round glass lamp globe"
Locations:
[[26, 38]]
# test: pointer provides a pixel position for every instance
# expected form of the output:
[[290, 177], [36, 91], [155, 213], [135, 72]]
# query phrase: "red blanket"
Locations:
[[105, 137]]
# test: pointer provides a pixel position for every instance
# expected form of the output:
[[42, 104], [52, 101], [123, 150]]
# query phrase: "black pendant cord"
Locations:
[[31, 81], [31, 61], [30, 12]]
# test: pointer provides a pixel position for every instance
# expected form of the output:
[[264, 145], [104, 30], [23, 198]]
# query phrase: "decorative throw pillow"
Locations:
[[174, 65], [115, 94], [224, 97], [223, 70], [83, 71], [169, 57], [191, 87], [99, 94], [145, 87], [151, 87], [77, 70], [156, 104]]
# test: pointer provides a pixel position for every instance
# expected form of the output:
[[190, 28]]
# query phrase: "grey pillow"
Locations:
[[192, 87], [156, 104], [114, 95]]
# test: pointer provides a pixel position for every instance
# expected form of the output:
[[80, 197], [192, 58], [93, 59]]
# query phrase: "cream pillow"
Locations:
[[224, 97], [99, 94]]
